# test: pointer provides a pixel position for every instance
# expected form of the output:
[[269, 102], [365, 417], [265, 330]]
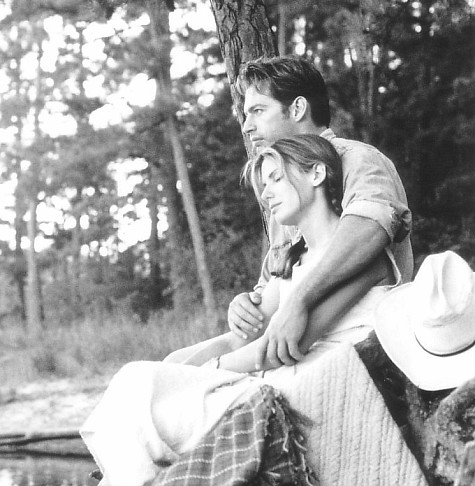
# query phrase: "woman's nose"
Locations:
[[266, 194]]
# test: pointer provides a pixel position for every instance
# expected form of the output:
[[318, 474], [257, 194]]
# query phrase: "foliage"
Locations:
[[101, 343], [400, 75]]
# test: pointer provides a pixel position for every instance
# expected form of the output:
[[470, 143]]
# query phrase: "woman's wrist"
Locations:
[[214, 362]]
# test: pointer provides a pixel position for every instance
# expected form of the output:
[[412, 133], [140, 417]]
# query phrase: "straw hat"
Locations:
[[427, 327]]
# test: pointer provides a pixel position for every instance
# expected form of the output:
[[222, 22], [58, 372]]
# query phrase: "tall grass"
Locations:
[[99, 345]]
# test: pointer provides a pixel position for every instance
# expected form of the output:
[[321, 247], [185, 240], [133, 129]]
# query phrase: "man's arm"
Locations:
[[356, 243], [327, 311]]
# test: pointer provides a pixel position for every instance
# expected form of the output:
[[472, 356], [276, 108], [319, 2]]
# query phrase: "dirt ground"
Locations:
[[50, 405]]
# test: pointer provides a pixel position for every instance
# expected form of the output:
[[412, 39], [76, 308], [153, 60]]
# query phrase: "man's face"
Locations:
[[267, 119]]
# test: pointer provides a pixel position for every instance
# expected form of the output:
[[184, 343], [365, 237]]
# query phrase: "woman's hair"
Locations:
[[284, 79], [302, 152]]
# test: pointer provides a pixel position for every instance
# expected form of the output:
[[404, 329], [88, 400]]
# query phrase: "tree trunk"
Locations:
[[154, 242], [20, 263], [76, 302], [34, 308], [244, 34], [76, 297], [359, 35], [281, 33], [160, 30], [193, 221], [33, 302], [174, 233]]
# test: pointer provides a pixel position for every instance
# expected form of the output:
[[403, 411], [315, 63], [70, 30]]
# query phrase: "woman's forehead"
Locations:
[[270, 163]]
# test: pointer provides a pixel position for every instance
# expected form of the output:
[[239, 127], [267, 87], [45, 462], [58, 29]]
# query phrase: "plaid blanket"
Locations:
[[256, 443]]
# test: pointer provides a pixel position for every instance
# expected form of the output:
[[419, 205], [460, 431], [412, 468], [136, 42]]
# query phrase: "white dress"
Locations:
[[154, 411]]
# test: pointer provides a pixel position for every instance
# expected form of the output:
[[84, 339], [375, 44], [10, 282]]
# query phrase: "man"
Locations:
[[286, 96]]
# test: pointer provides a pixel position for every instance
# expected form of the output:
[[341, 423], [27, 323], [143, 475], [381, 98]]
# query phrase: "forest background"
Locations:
[[121, 156]]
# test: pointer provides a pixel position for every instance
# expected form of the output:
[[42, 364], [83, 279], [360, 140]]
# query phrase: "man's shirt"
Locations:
[[372, 189]]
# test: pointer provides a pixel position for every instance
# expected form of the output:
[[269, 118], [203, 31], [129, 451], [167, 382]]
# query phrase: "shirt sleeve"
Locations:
[[265, 275], [373, 189]]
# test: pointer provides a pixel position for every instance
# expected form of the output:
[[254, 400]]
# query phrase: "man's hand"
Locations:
[[244, 317], [279, 344]]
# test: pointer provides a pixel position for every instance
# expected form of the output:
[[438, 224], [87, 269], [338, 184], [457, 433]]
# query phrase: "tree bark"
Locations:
[[244, 34]]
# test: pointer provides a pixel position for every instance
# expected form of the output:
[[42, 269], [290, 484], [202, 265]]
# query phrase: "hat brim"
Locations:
[[395, 333]]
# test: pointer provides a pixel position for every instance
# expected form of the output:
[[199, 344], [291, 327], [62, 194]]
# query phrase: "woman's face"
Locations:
[[286, 203]]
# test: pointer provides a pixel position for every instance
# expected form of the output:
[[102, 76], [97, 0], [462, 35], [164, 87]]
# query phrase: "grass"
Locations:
[[97, 345]]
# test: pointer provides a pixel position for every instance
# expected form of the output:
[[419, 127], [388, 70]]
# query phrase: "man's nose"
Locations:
[[247, 126]]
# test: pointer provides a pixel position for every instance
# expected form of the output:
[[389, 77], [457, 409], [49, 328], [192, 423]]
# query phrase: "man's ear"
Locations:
[[299, 108], [319, 173]]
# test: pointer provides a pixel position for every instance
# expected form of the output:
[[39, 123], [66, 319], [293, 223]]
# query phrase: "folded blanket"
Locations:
[[353, 439], [256, 442]]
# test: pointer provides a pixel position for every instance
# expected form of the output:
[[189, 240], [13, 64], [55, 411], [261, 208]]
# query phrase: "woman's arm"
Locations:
[[201, 352], [327, 312]]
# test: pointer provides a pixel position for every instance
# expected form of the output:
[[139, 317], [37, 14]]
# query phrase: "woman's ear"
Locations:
[[299, 108], [319, 173]]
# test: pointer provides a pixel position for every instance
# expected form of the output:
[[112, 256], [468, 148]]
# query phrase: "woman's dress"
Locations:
[[154, 411]]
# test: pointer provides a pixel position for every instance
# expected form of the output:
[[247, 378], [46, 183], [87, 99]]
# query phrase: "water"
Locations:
[[25, 470]]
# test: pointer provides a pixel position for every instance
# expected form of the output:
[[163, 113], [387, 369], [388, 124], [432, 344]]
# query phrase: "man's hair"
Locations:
[[285, 78]]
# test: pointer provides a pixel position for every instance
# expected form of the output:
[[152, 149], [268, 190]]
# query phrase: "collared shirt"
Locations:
[[372, 189]]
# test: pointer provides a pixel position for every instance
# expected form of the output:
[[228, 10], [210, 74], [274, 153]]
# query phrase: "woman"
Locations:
[[299, 180], [155, 411]]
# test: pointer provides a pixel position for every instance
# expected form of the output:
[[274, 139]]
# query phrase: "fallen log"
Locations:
[[13, 435], [466, 473], [21, 439], [438, 427]]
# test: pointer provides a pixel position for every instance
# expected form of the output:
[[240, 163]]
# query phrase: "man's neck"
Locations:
[[308, 126]]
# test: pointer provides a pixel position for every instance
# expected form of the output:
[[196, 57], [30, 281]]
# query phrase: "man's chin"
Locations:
[[258, 146]]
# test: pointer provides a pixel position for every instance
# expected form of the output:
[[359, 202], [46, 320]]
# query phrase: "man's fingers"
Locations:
[[245, 309], [255, 298], [251, 318], [283, 353], [243, 316], [238, 329], [261, 352], [294, 351], [272, 354]]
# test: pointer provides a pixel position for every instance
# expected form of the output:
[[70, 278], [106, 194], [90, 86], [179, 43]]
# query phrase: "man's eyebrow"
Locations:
[[252, 107]]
